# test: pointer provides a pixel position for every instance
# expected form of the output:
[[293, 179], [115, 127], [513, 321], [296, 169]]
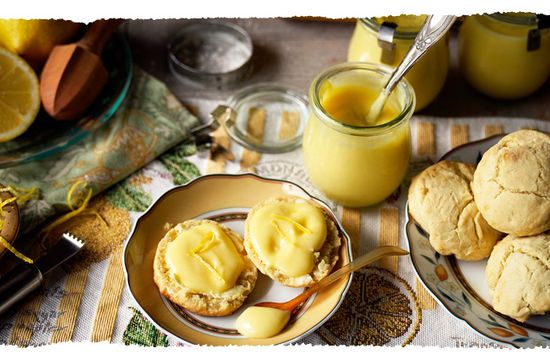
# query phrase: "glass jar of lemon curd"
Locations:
[[506, 56], [352, 161], [386, 40]]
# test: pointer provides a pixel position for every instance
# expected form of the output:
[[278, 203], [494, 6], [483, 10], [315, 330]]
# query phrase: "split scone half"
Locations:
[[291, 240], [202, 266]]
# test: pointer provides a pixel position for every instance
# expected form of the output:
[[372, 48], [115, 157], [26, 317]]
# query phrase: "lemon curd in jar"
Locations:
[[370, 43], [504, 55], [353, 162]]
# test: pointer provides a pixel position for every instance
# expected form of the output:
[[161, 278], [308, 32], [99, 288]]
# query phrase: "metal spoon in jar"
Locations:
[[433, 29]]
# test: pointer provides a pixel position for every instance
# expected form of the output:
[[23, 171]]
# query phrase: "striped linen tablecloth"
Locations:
[[386, 304]]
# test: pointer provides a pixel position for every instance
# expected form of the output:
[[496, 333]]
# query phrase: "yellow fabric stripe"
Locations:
[[492, 129], [425, 300], [426, 146], [25, 320], [389, 235], [109, 300], [425, 138], [75, 283], [459, 135], [351, 220]]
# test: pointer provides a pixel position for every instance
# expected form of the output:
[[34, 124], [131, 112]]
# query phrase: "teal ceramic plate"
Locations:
[[460, 286], [47, 137]]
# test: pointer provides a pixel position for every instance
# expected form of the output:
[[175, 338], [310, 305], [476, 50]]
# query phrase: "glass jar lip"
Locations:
[[381, 69], [372, 24], [513, 20]]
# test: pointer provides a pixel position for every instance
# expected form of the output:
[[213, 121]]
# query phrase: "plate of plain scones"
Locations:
[[198, 257], [479, 235]]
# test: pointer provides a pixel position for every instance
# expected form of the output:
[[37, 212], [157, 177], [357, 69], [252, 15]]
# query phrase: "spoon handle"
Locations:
[[433, 29], [361, 261]]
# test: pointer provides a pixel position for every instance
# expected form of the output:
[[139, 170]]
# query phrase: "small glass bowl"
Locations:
[[211, 53], [283, 109]]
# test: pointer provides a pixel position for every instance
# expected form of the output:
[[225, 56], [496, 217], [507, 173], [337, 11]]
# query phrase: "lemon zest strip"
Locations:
[[22, 195], [14, 251], [204, 244], [209, 267], [3, 241], [76, 208], [293, 222], [74, 211], [6, 202], [281, 233]]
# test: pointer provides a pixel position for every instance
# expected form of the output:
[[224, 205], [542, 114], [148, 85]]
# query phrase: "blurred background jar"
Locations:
[[386, 40], [351, 161], [507, 55]]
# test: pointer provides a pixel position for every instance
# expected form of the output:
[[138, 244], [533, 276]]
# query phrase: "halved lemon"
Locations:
[[19, 95]]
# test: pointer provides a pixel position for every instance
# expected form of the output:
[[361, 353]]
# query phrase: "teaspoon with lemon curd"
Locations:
[[433, 30], [267, 319]]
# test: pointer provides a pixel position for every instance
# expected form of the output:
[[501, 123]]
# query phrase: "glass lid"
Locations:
[[266, 118]]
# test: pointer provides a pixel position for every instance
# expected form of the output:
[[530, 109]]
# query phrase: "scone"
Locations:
[[291, 240], [202, 266], [441, 201], [512, 184], [518, 274]]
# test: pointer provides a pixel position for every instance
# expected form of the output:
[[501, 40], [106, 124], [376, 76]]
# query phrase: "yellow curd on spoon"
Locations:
[[262, 322]]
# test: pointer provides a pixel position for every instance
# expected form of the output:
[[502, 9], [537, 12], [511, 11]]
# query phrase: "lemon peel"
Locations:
[[77, 204], [14, 251]]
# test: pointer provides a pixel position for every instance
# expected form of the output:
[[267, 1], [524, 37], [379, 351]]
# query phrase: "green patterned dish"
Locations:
[[47, 137], [460, 286]]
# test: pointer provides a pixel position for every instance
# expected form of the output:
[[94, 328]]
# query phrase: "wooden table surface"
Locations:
[[293, 51]]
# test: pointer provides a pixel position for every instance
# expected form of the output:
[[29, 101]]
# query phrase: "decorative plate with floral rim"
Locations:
[[460, 286], [225, 198]]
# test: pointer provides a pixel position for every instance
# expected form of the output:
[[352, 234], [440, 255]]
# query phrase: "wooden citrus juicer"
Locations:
[[74, 74]]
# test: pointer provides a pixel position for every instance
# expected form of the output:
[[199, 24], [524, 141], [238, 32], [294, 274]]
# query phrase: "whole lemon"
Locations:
[[34, 39]]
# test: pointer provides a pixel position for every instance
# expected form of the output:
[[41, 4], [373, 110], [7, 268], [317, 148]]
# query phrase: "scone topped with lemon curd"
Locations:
[[202, 266], [291, 240]]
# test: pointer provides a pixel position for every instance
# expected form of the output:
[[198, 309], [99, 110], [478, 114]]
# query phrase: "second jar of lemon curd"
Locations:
[[386, 41], [352, 161], [506, 56]]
